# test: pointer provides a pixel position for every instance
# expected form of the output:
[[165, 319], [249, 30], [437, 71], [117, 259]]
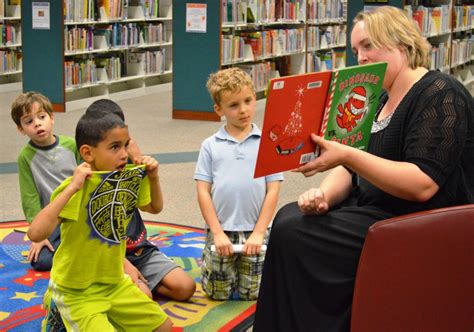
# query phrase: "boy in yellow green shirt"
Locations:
[[88, 284]]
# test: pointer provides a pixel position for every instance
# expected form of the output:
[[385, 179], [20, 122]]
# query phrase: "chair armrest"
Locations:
[[416, 273]]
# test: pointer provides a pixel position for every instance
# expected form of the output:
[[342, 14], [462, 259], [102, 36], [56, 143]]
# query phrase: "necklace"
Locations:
[[382, 124]]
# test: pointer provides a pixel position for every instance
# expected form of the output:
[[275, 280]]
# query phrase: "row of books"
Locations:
[[86, 38], [10, 61], [461, 51], [329, 60], [80, 72], [290, 10], [77, 73], [80, 10], [260, 73], [232, 48], [433, 20], [440, 56], [114, 36], [146, 62], [323, 37], [112, 9], [262, 11], [269, 11], [149, 8], [325, 11], [112, 65], [267, 43], [104, 10], [9, 34], [78, 39], [234, 11], [462, 18], [9, 8]]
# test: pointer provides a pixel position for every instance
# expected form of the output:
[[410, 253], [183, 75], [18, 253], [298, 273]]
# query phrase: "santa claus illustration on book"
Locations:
[[353, 110]]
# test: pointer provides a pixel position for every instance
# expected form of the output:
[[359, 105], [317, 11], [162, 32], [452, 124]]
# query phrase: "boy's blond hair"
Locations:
[[392, 28], [22, 105], [228, 80]]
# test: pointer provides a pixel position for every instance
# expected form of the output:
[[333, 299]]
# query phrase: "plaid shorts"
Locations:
[[221, 276]]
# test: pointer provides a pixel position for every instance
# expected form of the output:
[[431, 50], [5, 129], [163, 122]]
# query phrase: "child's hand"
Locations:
[[223, 245], [81, 173], [35, 249], [151, 165], [253, 244]]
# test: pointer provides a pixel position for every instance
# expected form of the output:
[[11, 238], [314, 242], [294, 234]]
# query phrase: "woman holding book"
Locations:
[[420, 156]]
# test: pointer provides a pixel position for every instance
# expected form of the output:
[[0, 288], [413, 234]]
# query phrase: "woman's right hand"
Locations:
[[313, 201]]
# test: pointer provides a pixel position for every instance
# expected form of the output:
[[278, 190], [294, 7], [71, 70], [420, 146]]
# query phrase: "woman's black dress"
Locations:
[[311, 261]]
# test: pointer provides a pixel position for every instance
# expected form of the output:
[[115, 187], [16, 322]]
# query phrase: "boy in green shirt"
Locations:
[[88, 283], [45, 162]]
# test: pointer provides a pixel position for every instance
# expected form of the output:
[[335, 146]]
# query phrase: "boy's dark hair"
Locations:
[[91, 129], [101, 106], [22, 105]]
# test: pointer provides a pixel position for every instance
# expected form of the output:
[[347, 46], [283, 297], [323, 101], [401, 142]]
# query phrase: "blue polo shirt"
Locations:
[[229, 165]]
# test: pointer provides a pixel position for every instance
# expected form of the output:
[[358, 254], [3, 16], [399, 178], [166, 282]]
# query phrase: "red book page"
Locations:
[[294, 109]]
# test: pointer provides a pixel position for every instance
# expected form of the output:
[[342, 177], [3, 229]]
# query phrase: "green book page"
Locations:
[[353, 100]]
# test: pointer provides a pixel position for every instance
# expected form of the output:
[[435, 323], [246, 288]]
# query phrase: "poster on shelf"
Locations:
[[40, 17], [196, 17]]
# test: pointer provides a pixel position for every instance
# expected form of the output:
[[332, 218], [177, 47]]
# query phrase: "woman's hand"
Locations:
[[331, 154], [313, 201]]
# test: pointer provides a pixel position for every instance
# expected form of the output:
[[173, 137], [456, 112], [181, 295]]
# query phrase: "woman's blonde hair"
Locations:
[[230, 80], [392, 28]]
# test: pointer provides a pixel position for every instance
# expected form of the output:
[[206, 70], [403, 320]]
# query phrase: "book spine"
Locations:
[[328, 104]]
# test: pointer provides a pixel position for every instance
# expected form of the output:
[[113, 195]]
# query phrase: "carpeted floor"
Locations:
[[22, 289]]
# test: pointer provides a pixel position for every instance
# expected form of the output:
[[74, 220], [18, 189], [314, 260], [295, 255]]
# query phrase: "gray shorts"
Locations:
[[154, 267]]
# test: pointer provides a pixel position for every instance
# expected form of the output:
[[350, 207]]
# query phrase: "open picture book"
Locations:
[[339, 105]]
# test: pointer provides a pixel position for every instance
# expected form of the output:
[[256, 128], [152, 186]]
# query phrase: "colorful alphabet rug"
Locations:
[[22, 289]]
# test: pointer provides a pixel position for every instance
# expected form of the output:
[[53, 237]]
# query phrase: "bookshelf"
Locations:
[[446, 24], [10, 46], [327, 35], [266, 38], [114, 49]]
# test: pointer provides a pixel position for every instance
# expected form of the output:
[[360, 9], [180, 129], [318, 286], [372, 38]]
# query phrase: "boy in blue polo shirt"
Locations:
[[237, 208]]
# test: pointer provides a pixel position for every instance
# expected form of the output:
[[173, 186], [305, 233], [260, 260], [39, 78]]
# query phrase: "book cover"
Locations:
[[338, 105]]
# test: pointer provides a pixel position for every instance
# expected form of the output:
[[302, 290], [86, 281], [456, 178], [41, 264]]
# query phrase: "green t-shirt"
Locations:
[[42, 169], [93, 225]]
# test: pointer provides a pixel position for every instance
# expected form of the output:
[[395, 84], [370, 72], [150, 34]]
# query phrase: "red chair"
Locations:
[[416, 273]]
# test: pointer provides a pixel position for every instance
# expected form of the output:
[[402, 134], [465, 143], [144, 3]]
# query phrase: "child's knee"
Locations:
[[186, 291]]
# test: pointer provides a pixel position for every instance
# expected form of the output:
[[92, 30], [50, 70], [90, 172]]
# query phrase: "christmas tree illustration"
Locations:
[[291, 141]]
